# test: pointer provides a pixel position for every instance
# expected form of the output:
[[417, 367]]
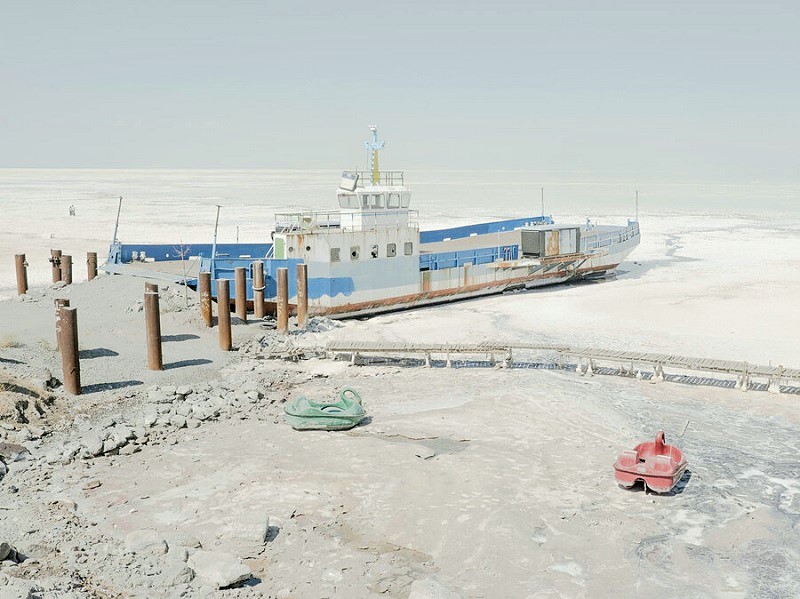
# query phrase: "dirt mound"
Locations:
[[22, 403]]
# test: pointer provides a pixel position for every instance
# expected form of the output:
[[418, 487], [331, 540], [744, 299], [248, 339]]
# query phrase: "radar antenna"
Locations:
[[373, 146]]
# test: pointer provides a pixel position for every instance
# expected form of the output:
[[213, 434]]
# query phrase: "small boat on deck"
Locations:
[[658, 465]]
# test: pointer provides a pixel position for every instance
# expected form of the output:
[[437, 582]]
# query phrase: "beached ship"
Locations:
[[369, 256]]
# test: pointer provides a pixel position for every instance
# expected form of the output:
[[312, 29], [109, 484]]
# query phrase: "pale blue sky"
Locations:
[[704, 91]]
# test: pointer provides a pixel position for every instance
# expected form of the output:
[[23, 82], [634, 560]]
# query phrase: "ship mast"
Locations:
[[373, 146]]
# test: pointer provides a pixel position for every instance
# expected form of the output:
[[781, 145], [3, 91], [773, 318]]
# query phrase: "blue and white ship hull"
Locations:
[[369, 256]]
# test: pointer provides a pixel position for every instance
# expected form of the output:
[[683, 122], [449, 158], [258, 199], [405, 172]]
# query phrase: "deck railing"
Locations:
[[313, 220], [602, 240], [384, 178]]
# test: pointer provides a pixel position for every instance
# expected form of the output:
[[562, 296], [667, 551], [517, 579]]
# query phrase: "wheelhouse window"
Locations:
[[405, 200], [348, 200], [374, 251], [335, 255], [354, 252], [408, 248], [391, 250], [376, 200], [393, 200]]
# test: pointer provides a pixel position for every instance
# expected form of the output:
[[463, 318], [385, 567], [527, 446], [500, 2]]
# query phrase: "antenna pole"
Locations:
[[372, 148], [542, 201], [637, 205], [116, 226], [214, 247]]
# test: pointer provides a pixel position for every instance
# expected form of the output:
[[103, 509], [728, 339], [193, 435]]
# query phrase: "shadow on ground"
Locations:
[[185, 363], [173, 338], [100, 387], [100, 352]]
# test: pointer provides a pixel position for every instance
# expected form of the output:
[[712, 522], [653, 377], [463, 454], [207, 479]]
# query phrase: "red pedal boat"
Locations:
[[658, 465]]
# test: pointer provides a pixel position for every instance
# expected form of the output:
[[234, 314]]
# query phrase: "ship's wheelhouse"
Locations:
[[372, 199]]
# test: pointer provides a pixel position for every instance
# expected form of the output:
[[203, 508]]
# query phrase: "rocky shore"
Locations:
[[464, 482]]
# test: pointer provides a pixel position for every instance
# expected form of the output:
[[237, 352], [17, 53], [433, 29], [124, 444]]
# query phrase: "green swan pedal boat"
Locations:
[[306, 414]]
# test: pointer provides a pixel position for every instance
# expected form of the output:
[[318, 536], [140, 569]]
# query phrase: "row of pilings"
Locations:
[[66, 316], [60, 265]]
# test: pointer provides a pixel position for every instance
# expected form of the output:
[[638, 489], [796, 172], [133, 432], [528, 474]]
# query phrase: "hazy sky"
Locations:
[[656, 90]]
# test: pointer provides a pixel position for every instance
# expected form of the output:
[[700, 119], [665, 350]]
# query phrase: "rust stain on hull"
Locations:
[[443, 295]]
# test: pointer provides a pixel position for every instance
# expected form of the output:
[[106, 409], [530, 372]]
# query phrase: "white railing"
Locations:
[[602, 240], [314, 220]]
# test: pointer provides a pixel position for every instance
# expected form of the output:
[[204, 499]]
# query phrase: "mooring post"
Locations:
[[153, 323], [55, 261], [66, 269], [59, 303], [241, 293], [283, 300], [302, 296], [204, 285], [22, 274], [224, 314], [70, 360], [259, 309], [91, 265]]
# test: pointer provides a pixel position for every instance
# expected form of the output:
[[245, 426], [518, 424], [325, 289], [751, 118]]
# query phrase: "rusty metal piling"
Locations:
[[224, 314], [152, 319], [70, 359], [22, 274], [204, 287], [241, 293], [55, 262], [259, 309], [58, 304], [66, 269], [283, 300], [91, 265], [302, 296]]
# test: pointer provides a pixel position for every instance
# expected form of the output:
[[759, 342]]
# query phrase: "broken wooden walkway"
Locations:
[[629, 362]]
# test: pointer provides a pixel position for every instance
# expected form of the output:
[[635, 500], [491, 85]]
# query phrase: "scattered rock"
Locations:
[[219, 569], [94, 444], [145, 540], [174, 573], [66, 504], [184, 390], [429, 588], [183, 540], [92, 484], [8, 553], [11, 452], [15, 588]]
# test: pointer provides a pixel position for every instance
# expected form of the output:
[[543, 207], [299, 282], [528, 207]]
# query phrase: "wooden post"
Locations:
[[22, 274], [259, 308], [66, 269], [70, 359], [224, 314], [302, 296], [55, 261], [91, 265], [59, 303], [241, 293], [205, 298], [283, 300], [153, 324]]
